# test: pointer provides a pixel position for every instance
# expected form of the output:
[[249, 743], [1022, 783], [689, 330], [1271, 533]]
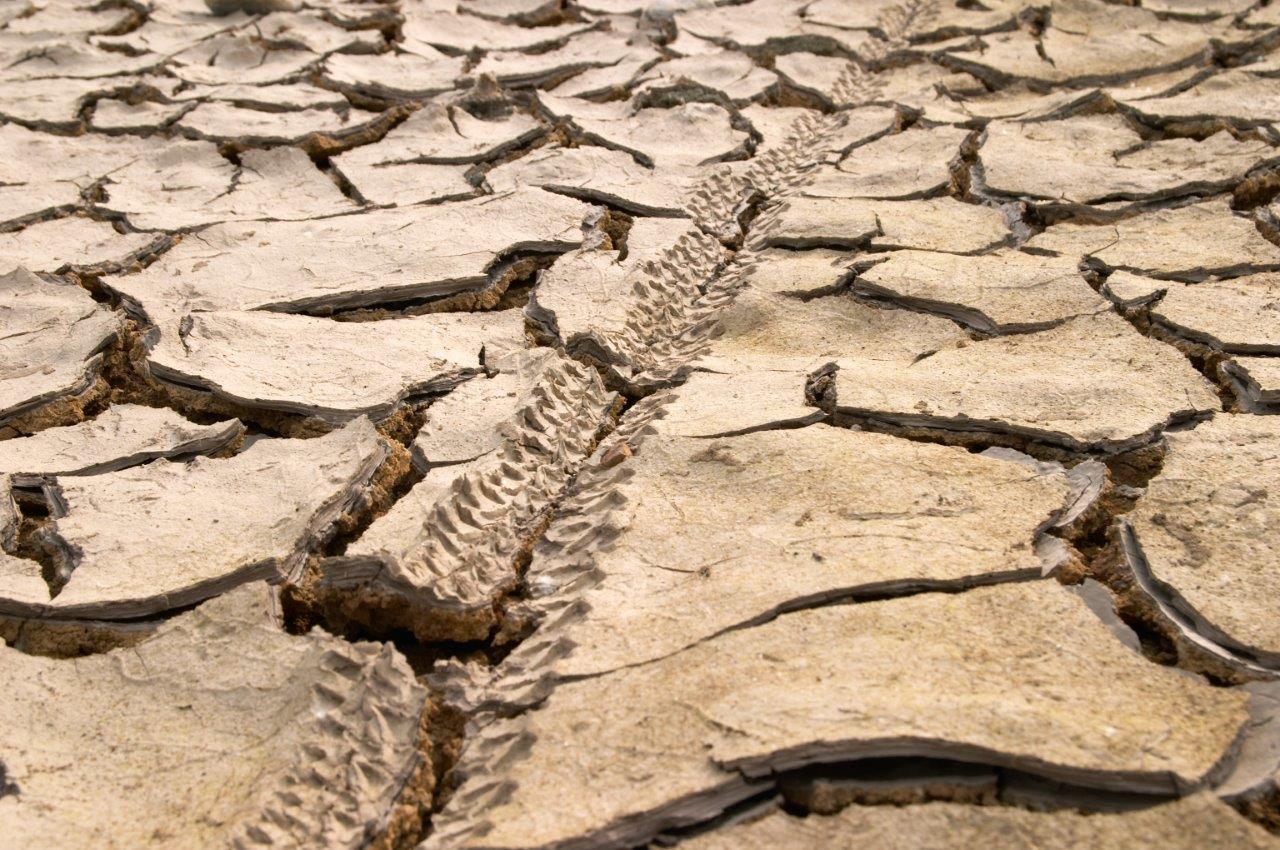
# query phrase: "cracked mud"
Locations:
[[564, 424]]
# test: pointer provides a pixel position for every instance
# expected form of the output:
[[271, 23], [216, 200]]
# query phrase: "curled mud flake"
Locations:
[[52, 339], [227, 525], [1003, 386], [1202, 535], [1004, 292], [1089, 160], [121, 436], [1191, 242], [393, 257]]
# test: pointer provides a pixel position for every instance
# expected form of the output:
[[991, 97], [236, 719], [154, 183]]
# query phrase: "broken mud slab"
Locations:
[[1088, 42], [446, 134], [402, 184], [334, 371], [1201, 542], [715, 404], [1256, 381], [1236, 97], [303, 741], [457, 33], [939, 224], [603, 176], [826, 685], [121, 436], [184, 185], [1190, 243], [377, 78], [1091, 384], [687, 135], [800, 274], [73, 242], [1253, 785], [764, 28], [230, 521], [381, 257], [239, 57], [764, 332], [441, 561], [728, 72], [950, 521], [52, 339], [1237, 316], [1067, 167], [911, 164], [590, 51], [1199, 820], [47, 173], [317, 131], [1000, 293], [774, 344]]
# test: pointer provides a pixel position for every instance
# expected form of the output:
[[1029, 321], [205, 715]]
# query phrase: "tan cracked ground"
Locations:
[[626, 424]]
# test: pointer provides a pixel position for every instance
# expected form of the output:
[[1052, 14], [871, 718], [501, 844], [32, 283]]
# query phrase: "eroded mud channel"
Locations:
[[514, 424]]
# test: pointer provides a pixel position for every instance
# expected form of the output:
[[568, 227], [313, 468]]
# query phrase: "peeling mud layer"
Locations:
[[536, 424]]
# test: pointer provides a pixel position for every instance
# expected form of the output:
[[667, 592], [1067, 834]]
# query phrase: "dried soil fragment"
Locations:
[[448, 135], [911, 164], [1240, 315], [460, 33], [52, 335], [239, 57], [333, 371], [141, 541], [1089, 41], [319, 128], [291, 741], [1005, 292], [1257, 381], [602, 176], [761, 331], [66, 242], [938, 224], [1237, 95], [1089, 384], [394, 75], [685, 135], [800, 273], [123, 435], [766, 27], [187, 184], [728, 72], [1184, 243], [1204, 534], [380, 257], [828, 685], [1097, 159], [592, 50]]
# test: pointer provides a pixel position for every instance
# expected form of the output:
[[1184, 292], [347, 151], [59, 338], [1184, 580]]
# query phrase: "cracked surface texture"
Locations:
[[621, 424]]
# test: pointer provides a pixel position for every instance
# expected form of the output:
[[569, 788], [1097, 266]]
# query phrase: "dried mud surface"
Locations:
[[531, 424]]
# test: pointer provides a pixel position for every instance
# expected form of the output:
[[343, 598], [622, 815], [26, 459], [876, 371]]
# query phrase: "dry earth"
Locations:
[[615, 424]]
